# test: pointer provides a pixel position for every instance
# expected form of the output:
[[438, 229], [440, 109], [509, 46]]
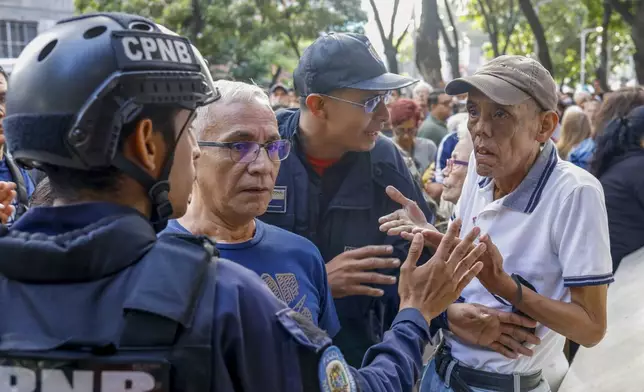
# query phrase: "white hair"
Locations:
[[581, 96], [454, 121], [465, 138], [422, 86], [231, 92], [573, 108]]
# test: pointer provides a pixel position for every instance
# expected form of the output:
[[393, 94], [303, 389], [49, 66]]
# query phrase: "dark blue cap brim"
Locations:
[[386, 82]]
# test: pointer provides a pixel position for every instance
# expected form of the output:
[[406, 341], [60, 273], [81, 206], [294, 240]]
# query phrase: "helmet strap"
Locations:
[[158, 189]]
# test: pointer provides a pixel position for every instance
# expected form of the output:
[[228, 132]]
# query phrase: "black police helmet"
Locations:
[[69, 75]]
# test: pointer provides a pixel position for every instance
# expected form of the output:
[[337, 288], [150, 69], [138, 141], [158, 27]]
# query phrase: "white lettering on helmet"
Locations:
[[149, 46], [56, 381], [128, 44], [115, 381], [167, 50], [183, 52]]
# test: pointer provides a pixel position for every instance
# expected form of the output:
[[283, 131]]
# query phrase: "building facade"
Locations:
[[22, 20]]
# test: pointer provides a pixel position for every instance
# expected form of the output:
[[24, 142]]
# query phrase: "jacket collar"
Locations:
[[74, 243]]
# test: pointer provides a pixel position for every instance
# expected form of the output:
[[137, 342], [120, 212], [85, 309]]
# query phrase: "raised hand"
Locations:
[[349, 272], [7, 194], [405, 219], [435, 285], [503, 332]]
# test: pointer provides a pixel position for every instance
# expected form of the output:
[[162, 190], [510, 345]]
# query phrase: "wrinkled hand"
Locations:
[[503, 332], [406, 219], [7, 194], [350, 271], [436, 284], [492, 276]]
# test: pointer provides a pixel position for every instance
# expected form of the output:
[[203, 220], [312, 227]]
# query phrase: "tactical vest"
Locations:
[[165, 343]]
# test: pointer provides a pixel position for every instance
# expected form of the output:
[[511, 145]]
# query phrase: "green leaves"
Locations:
[[245, 39], [563, 21]]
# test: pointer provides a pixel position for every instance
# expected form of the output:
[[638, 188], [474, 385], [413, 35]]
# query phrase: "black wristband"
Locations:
[[519, 297]]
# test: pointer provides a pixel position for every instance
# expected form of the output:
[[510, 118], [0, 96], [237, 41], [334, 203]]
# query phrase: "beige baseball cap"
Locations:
[[510, 80]]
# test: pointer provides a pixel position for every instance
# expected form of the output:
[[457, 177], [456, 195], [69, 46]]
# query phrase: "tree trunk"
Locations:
[[197, 20], [275, 77], [428, 58], [392, 61], [637, 34], [452, 50], [602, 71], [634, 20], [537, 29]]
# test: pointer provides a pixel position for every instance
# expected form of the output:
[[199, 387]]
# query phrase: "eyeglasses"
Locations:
[[451, 162], [370, 105], [247, 152]]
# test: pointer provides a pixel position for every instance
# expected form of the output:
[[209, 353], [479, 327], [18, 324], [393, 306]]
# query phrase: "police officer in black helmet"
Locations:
[[91, 300]]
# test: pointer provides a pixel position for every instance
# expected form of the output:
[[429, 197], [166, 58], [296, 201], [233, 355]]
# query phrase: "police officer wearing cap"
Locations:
[[331, 189], [91, 300]]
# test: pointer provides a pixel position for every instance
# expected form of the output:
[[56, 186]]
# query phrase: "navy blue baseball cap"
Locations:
[[344, 60]]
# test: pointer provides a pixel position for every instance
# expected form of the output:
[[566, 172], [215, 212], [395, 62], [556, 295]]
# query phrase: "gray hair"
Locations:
[[231, 92], [465, 138], [422, 86], [455, 121]]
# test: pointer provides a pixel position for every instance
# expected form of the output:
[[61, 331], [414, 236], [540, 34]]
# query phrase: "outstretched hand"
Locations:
[[492, 275], [433, 286], [7, 195], [405, 219]]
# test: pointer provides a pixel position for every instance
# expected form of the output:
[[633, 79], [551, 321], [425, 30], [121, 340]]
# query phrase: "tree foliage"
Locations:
[[245, 38], [563, 21]]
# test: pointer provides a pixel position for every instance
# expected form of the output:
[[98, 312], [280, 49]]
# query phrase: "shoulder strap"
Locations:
[[19, 179], [167, 290]]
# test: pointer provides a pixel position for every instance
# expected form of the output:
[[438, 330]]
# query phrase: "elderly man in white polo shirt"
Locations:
[[544, 223]]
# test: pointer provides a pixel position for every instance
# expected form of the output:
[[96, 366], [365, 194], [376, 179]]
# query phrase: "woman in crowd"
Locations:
[[617, 104], [575, 130], [454, 174], [405, 117], [618, 164]]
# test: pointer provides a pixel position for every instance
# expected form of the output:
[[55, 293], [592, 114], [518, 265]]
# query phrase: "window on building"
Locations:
[[15, 35]]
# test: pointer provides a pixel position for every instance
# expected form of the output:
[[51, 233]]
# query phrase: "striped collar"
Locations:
[[528, 194]]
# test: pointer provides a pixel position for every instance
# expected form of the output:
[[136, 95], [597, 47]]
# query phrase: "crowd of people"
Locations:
[[315, 238]]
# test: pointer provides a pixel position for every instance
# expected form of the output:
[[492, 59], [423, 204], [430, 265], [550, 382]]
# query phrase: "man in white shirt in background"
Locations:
[[545, 227]]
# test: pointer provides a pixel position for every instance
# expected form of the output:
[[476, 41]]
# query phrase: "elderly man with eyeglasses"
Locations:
[[241, 152]]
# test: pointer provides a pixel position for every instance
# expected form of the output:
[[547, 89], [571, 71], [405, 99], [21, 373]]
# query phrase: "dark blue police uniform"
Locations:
[[339, 211], [90, 298], [65, 285]]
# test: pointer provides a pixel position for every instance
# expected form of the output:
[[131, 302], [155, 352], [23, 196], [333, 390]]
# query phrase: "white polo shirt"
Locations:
[[552, 231]]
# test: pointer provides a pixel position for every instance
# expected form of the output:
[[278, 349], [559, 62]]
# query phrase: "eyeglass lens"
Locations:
[[248, 151], [371, 104]]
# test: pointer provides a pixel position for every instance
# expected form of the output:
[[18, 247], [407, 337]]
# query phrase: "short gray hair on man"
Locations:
[[422, 86], [231, 92]]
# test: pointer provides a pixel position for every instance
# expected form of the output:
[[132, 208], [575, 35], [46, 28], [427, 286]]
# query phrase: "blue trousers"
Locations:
[[431, 381]]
